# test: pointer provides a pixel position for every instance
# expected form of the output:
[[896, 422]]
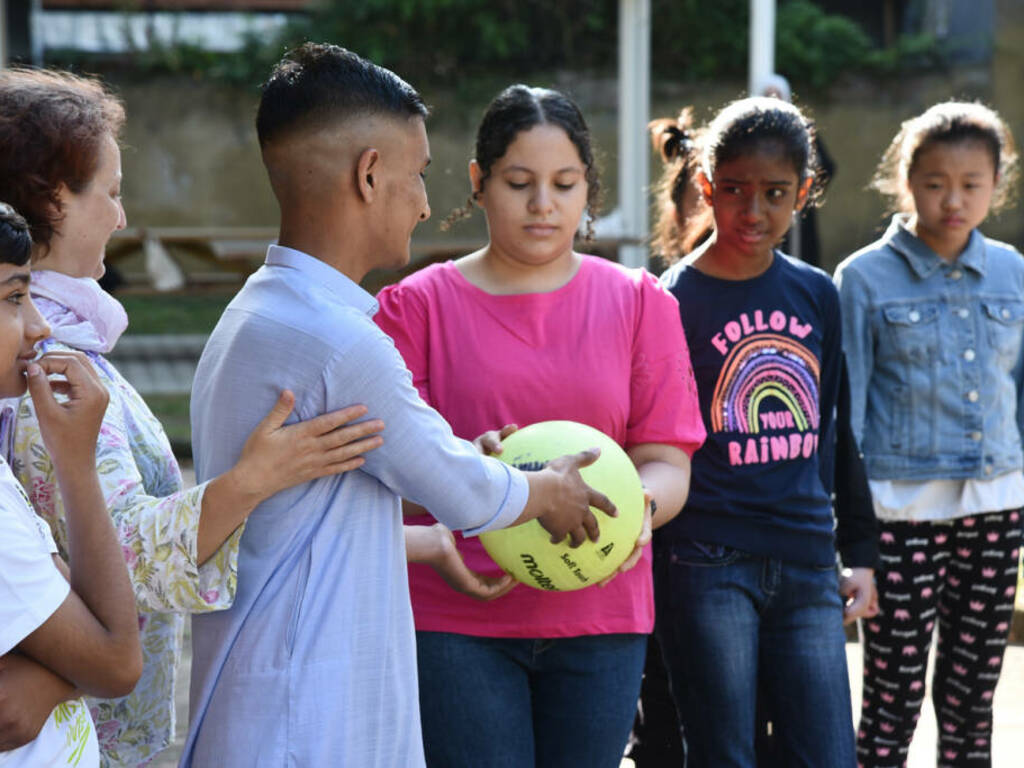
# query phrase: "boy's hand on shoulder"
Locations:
[[71, 425]]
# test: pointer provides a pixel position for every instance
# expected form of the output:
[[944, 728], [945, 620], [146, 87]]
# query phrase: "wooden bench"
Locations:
[[230, 254]]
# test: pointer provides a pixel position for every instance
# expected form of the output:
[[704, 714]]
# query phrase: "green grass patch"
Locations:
[[172, 413], [173, 312]]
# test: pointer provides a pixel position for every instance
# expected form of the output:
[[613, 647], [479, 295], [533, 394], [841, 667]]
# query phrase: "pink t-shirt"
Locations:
[[606, 349]]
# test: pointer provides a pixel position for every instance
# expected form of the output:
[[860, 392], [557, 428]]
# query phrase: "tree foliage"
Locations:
[[455, 37], [452, 41]]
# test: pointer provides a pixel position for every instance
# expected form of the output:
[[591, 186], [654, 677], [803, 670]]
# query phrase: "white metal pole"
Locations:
[[634, 113], [762, 43], [35, 32], [3, 33]]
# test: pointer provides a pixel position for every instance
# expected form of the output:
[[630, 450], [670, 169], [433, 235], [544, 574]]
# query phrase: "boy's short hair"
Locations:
[[15, 239], [316, 84]]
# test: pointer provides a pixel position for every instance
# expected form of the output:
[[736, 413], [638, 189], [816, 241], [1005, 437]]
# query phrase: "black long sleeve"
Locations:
[[856, 525]]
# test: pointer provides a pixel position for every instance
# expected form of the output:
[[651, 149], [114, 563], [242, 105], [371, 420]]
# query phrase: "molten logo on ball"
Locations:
[[526, 550]]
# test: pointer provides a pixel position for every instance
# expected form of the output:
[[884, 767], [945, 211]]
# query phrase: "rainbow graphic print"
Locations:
[[766, 368]]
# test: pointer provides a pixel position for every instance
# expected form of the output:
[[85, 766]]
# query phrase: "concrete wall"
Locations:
[[192, 156]]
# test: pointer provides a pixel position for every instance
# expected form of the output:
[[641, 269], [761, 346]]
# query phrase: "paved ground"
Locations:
[[169, 757], [1008, 739]]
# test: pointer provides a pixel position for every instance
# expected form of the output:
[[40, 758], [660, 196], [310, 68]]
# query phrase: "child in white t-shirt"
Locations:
[[31, 590], [85, 631]]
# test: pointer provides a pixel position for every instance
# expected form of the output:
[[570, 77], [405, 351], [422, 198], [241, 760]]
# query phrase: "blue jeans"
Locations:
[[516, 703], [727, 622]]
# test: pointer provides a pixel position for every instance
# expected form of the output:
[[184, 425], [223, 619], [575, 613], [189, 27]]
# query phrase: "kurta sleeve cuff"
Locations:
[[516, 496]]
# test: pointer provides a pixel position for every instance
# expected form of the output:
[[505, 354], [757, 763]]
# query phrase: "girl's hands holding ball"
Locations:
[[642, 540]]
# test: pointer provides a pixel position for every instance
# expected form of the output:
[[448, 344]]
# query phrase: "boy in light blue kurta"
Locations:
[[315, 663]]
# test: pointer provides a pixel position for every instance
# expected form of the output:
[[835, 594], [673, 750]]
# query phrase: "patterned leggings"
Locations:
[[963, 572]]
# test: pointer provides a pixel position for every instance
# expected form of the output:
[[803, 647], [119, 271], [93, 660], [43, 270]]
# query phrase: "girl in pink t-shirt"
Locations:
[[527, 330]]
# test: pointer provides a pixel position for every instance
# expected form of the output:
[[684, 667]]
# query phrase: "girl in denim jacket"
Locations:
[[933, 317]]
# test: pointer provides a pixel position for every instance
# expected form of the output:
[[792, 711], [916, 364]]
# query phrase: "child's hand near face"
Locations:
[[69, 427]]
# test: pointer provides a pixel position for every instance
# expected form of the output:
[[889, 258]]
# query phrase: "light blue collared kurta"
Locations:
[[315, 664]]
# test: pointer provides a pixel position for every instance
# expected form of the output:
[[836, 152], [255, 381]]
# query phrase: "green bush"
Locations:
[[453, 41], [173, 312], [814, 47], [697, 40], [172, 411], [445, 38]]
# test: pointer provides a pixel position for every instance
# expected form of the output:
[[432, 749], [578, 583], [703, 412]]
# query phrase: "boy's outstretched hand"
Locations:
[[570, 500]]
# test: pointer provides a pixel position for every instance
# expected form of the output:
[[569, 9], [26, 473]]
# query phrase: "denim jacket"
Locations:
[[934, 355]]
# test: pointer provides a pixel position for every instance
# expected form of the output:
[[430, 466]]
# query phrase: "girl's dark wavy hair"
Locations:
[[519, 108], [15, 240], [757, 123], [951, 122], [676, 142]]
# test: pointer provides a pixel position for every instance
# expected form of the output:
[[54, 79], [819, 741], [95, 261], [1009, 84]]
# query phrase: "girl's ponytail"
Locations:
[[678, 228]]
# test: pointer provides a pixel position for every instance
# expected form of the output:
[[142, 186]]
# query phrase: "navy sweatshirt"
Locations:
[[766, 354]]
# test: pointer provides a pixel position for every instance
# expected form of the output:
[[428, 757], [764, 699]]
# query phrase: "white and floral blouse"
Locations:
[[158, 522]]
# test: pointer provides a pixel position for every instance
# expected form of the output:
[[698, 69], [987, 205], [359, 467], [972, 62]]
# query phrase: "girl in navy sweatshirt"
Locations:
[[745, 580]]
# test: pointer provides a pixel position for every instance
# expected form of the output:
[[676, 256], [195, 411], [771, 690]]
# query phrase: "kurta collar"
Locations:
[[323, 275]]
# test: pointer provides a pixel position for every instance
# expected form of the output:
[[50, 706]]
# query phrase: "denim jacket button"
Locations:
[[988, 469], [968, 355], [956, 274], [973, 395], [914, 316], [963, 312], [1005, 313], [976, 436]]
